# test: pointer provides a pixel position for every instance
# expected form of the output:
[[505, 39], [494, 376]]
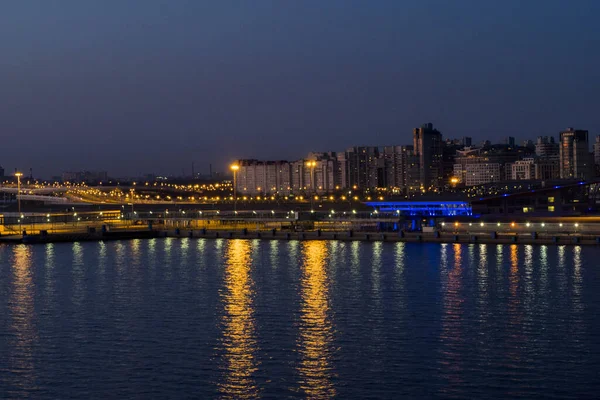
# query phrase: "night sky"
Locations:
[[150, 86]]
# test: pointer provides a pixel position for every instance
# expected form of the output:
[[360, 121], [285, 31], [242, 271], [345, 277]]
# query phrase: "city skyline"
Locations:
[[152, 86], [542, 145]]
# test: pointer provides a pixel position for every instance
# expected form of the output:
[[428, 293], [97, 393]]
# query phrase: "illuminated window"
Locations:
[[551, 208], [550, 199], [525, 209]]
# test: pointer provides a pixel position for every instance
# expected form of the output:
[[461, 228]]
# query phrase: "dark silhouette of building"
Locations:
[[428, 147]]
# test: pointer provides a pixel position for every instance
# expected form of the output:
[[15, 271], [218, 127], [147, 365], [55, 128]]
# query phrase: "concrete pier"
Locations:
[[273, 234], [437, 237], [440, 237]]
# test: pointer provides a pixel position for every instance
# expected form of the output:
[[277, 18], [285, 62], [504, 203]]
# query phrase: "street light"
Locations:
[[132, 195], [19, 175], [311, 165], [234, 168]]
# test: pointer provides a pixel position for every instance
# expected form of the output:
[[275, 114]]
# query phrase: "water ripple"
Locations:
[[186, 318]]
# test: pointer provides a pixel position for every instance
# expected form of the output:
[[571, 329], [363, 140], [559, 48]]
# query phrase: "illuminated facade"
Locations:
[[575, 160], [424, 208]]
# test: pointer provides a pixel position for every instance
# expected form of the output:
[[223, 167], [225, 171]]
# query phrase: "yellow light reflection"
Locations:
[[238, 341], [316, 331], [21, 308], [514, 270]]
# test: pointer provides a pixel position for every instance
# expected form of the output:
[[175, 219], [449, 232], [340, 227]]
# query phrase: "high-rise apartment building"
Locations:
[[323, 176], [391, 165], [545, 146], [399, 169], [412, 171], [574, 155], [362, 166], [428, 147], [263, 177], [342, 169], [597, 152], [298, 176]]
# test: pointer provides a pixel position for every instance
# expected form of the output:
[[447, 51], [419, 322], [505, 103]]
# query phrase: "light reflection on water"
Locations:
[[49, 275], [238, 340], [315, 330], [77, 274], [23, 333], [244, 319], [451, 336], [398, 272]]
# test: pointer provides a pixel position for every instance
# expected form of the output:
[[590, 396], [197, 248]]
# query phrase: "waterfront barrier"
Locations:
[[405, 236]]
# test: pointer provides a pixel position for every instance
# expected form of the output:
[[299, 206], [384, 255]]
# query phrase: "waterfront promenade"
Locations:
[[290, 225], [141, 232]]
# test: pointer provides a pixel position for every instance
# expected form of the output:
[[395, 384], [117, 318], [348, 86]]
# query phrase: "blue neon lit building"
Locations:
[[424, 208]]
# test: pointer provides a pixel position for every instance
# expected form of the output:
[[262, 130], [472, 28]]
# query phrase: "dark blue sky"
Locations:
[[150, 86]]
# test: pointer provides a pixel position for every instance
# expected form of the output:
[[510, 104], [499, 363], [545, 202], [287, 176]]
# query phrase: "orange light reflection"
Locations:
[[316, 331], [239, 342]]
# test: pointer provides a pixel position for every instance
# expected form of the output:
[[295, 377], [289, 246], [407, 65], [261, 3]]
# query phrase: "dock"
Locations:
[[273, 234]]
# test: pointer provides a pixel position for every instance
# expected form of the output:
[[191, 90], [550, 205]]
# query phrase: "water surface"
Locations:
[[198, 318]]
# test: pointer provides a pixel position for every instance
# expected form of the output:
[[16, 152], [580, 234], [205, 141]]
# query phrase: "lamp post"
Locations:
[[131, 191], [311, 165], [235, 168], [19, 175]]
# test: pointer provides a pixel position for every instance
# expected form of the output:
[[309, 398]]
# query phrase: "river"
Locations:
[[200, 318]]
